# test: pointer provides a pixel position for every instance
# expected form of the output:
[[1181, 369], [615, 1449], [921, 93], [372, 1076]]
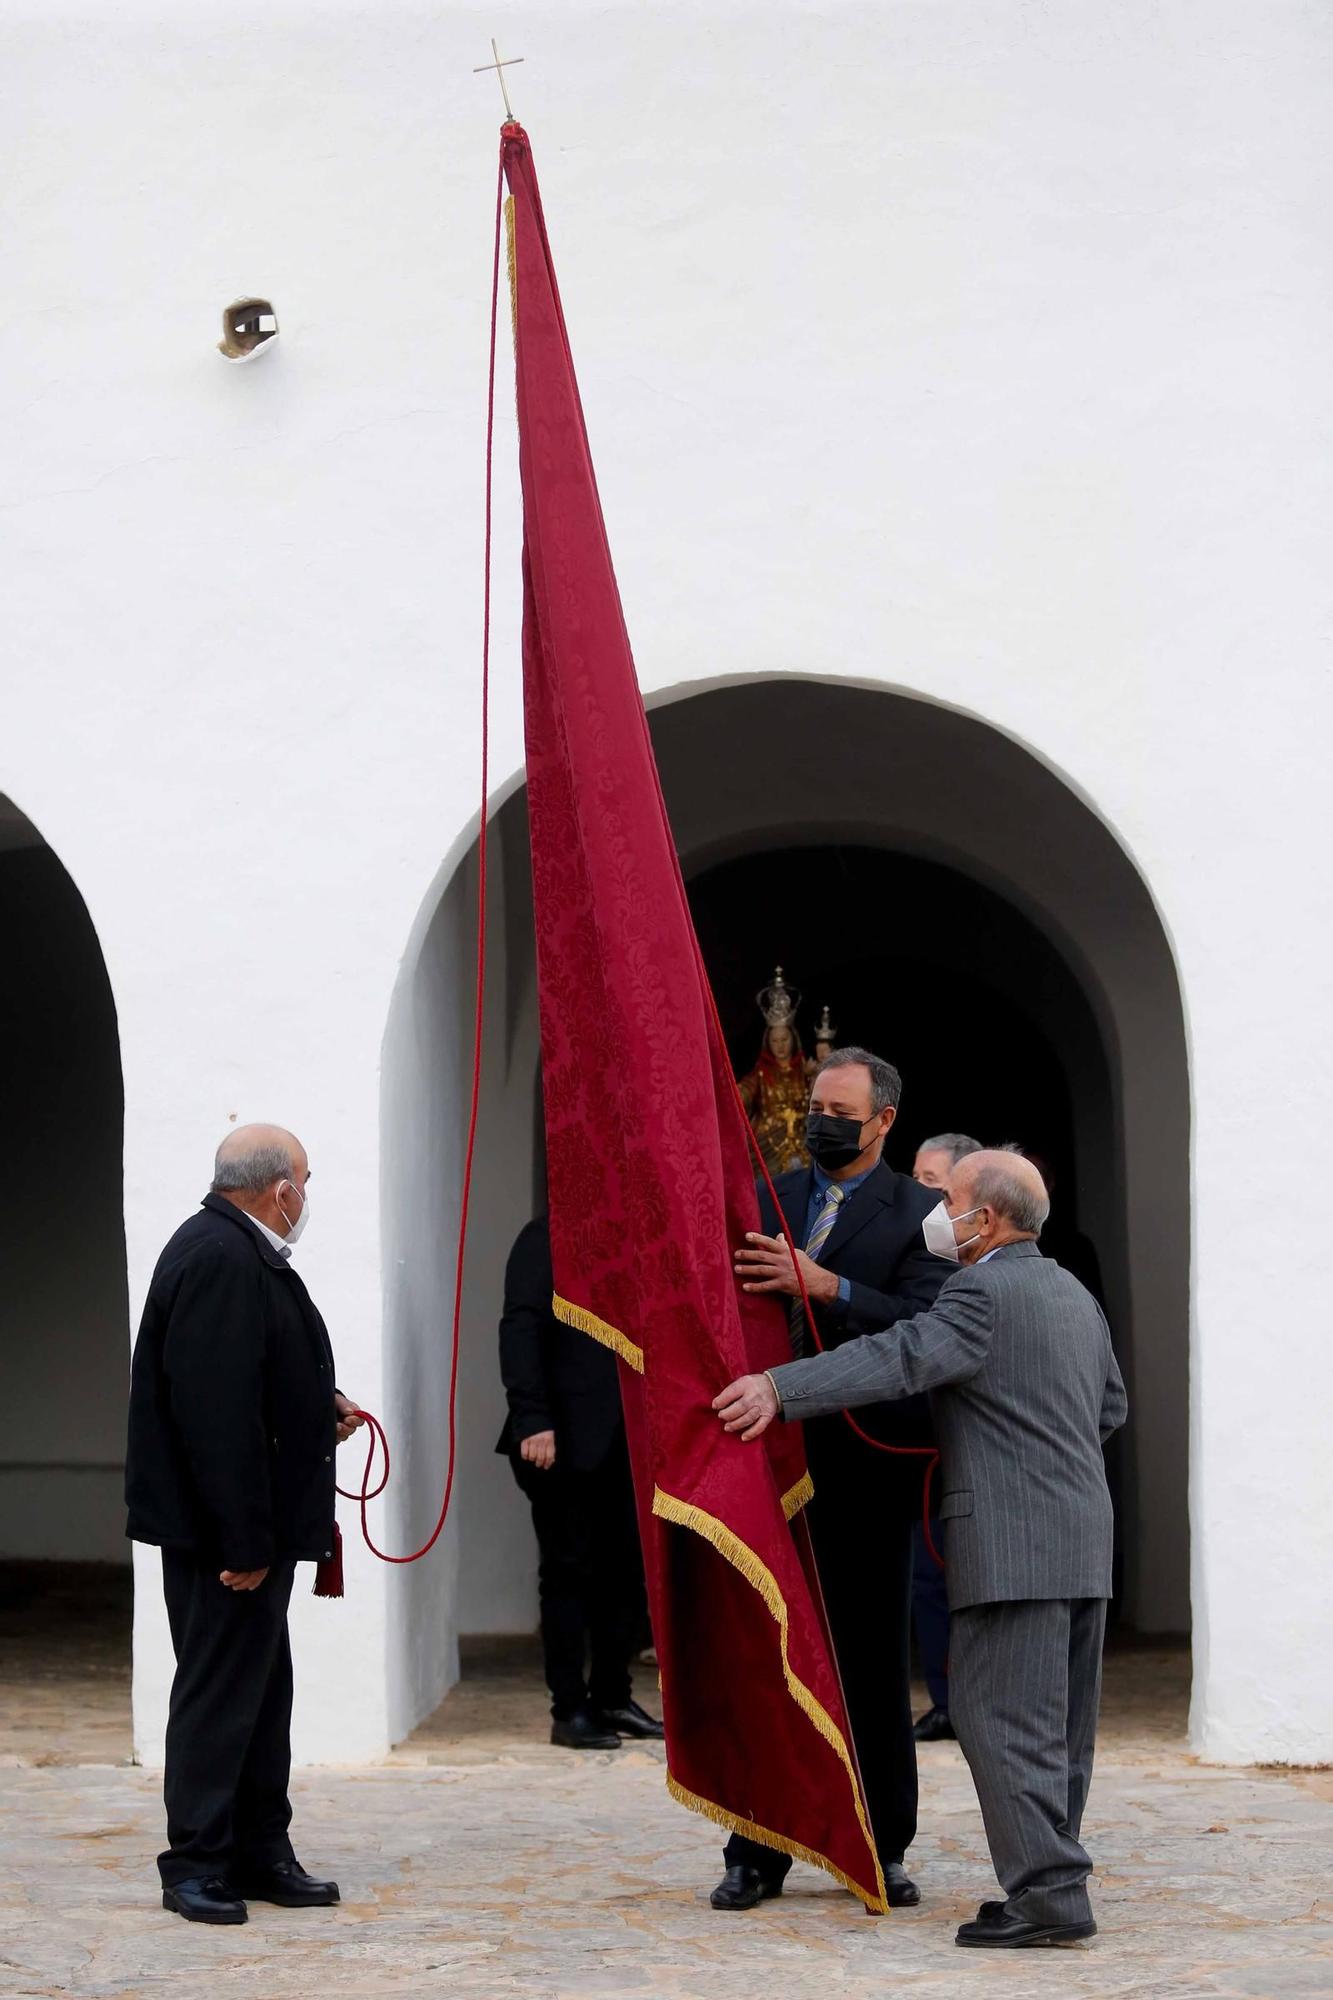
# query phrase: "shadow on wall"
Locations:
[[66, 1316], [482, 1578]]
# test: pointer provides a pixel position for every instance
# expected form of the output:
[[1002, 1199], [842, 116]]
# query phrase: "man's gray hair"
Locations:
[[886, 1086], [956, 1144], [998, 1188], [251, 1171]]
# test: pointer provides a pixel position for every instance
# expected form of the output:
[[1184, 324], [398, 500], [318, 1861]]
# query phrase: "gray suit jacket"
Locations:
[[1025, 1391]]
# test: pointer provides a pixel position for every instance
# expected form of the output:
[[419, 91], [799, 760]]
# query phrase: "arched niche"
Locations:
[[978, 867], [64, 1308]]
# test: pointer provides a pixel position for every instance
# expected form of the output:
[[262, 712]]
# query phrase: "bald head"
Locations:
[[1002, 1197], [264, 1169], [253, 1157]]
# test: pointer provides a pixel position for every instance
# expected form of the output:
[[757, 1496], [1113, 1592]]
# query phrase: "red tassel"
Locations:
[[329, 1573]]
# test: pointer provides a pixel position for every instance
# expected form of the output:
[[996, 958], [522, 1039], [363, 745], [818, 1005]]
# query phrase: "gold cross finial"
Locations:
[[500, 67]]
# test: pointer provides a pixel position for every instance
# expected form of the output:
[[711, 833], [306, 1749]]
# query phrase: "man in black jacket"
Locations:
[[565, 1439], [234, 1419], [864, 1247]]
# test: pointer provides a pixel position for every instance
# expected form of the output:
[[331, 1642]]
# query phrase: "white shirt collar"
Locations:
[[981, 1260], [270, 1235]]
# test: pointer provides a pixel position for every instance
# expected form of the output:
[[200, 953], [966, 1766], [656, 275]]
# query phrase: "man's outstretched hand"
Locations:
[[764, 1264], [748, 1406]]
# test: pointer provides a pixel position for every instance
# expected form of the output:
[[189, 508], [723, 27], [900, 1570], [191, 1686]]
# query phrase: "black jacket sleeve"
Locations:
[[523, 1328], [917, 1282], [213, 1361]]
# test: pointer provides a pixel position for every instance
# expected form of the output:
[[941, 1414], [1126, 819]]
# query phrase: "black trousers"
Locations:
[[229, 1725], [589, 1578], [861, 1527], [930, 1612]]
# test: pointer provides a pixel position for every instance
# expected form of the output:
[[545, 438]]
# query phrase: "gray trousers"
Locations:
[[1025, 1681]]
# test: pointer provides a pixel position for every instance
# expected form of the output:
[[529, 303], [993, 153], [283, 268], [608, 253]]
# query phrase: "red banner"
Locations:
[[651, 1180]]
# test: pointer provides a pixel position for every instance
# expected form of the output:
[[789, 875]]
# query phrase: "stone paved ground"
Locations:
[[480, 1862]]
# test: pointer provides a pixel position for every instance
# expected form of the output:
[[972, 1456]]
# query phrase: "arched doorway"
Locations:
[[65, 1579], [962, 909]]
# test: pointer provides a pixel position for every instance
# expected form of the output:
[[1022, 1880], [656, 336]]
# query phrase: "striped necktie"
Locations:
[[814, 1243]]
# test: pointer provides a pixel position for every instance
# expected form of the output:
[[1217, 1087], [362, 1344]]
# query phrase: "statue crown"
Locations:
[[778, 1002]]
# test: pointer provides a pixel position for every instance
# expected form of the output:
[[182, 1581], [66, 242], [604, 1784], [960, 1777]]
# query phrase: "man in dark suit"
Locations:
[[565, 1439], [1017, 1358], [234, 1419], [866, 1261]]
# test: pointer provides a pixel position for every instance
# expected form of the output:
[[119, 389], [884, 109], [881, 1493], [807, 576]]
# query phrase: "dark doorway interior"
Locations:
[[65, 1632], [65, 1579], [64, 1309], [989, 1027], [922, 965]]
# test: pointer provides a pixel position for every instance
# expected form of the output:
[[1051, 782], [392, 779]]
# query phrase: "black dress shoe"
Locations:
[[205, 1899], [935, 1727], [631, 1720], [1001, 1933], [741, 1888], [584, 1731], [287, 1884], [900, 1889]]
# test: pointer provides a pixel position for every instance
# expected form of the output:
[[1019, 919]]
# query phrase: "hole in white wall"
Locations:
[[248, 326]]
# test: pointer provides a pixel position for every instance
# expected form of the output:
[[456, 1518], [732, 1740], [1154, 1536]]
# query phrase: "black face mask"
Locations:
[[834, 1142]]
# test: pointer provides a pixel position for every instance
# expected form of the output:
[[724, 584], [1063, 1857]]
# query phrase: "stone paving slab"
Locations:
[[579, 1879], [482, 1863]]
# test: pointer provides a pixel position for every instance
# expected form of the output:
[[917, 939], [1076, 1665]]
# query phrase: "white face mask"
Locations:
[[296, 1227], [937, 1229]]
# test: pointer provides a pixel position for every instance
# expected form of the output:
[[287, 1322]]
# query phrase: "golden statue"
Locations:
[[776, 1092]]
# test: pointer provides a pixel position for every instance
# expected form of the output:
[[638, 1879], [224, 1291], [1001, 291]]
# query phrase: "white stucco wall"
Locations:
[[980, 351]]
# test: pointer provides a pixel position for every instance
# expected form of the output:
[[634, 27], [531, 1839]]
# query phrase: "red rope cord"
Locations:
[[377, 1439]]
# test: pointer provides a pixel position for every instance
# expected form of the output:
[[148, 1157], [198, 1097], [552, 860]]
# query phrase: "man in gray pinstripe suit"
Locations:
[[1025, 1391]]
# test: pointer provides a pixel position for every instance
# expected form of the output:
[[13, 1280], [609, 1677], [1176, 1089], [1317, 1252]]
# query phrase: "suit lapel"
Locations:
[[793, 1193], [868, 1201]]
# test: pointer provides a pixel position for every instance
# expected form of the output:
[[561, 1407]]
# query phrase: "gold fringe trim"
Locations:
[[511, 263], [610, 1336], [756, 1573], [751, 1828], [762, 1579]]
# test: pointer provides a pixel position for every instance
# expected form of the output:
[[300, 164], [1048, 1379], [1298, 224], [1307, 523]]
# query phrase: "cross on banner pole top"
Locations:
[[499, 67]]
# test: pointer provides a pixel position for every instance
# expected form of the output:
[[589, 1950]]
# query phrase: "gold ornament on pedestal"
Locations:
[[776, 1091], [825, 1037]]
